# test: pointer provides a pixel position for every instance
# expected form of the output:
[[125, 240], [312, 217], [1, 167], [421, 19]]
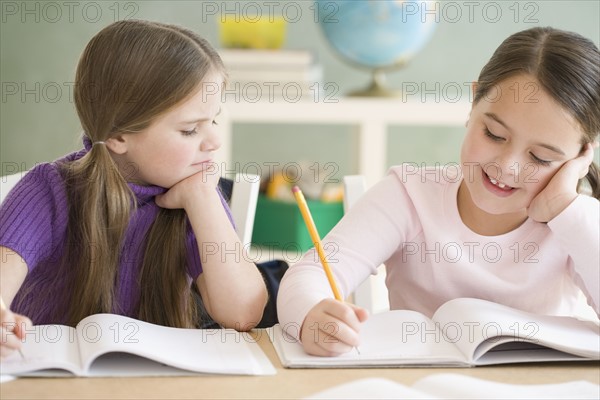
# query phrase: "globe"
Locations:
[[379, 35]]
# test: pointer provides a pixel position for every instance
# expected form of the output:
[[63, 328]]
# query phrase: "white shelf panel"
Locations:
[[370, 117]]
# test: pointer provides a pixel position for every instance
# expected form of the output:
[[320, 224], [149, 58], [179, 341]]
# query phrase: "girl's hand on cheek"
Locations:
[[191, 188], [562, 188]]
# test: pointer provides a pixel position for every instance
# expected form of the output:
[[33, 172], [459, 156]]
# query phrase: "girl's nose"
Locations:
[[212, 142], [507, 164]]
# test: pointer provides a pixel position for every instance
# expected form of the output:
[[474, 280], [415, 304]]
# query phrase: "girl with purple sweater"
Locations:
[[123, 225]]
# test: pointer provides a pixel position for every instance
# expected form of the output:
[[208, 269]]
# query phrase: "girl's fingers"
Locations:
[[360, 312], [10, 333], [586, 159], [9, 340], [332, 347], [332, 328], [23, 325], [320, 342], [13, 328], [346, 313]]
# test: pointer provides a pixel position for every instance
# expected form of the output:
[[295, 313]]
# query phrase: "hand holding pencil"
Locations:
[[11, 330], [331, 327]]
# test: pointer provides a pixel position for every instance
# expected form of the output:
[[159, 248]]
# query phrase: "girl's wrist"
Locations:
[[559, 203], [202, 198]]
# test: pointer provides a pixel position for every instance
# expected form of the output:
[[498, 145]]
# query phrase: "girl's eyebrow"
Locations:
[[550, 147], [498, 120], [195, 121], [545, 145]]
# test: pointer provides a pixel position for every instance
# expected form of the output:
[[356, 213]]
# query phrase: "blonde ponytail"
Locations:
[[100, 206]]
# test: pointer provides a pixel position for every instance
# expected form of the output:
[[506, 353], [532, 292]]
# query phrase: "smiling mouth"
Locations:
[[500, 185]]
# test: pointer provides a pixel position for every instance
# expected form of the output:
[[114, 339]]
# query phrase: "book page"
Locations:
[[457, 386], [6, 378], [214, 351], [478, 327], [45, 347], [131, 365], [390, 338], [370, 388]]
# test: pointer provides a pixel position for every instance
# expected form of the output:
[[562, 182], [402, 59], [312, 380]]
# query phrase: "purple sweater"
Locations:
[[33, 222]]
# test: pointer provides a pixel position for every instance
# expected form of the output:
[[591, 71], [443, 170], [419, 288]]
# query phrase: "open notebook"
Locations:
[[462, 332], [114, 345]]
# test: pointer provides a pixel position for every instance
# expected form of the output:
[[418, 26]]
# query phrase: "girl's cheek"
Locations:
[[540, 181]]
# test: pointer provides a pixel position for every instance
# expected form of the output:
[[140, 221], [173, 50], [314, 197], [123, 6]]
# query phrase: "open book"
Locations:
[[114, 345], [457, 386], [462, 332]]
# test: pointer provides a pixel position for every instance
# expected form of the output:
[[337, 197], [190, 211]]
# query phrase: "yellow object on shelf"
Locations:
[[246, 32], [279, 187], [332, 193]]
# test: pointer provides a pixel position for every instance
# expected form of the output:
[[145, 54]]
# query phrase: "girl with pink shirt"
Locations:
[[509, 224]]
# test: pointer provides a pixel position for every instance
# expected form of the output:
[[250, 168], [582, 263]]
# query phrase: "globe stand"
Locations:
[[377, 88]]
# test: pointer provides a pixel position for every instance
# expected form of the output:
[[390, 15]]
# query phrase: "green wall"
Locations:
[[40, 43]]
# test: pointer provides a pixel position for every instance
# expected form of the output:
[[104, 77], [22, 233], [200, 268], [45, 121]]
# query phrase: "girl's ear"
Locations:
[[117, 144]]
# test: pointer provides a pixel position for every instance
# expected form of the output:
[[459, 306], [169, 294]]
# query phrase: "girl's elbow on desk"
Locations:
[[244, 312], [243, 320]]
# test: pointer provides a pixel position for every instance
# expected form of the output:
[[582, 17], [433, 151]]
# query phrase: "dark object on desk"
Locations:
[[272, 272], [226, 188]]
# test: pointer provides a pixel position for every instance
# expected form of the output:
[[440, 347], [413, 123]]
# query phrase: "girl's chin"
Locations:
[[494, 208], [494, 205]]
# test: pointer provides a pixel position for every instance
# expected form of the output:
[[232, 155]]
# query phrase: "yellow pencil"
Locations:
[[3, 307], [314, 235]]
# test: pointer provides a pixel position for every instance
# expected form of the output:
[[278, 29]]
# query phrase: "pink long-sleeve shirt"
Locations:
[[410, 222]]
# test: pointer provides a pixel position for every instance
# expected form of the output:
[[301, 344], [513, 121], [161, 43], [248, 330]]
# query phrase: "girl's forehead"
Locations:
[[524, 94], [200, 105], [521, 88], [213, 79], [525, 108]]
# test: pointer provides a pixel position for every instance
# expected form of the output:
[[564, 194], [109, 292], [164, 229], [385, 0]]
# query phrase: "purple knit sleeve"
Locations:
[[33, 216], [195, 265]]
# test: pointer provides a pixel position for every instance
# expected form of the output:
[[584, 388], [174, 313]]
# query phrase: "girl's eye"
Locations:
[[492, 136], [539, 160], [190, 132]]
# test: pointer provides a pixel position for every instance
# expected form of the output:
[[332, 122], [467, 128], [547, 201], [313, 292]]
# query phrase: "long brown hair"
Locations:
[[565, 64], [129, 73]]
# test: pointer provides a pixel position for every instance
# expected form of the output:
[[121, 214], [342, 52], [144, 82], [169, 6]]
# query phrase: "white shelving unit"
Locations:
[[371, 118]]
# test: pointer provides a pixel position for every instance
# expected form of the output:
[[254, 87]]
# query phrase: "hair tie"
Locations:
[[98, 142]]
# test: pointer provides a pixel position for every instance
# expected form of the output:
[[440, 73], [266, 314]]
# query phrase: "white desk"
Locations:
[[370, 117]]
